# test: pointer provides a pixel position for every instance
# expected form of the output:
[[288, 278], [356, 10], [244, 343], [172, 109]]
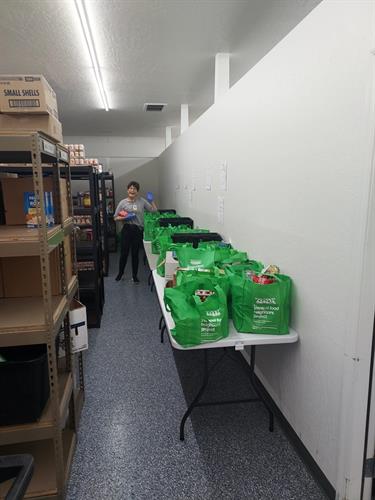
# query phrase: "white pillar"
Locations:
[[184, 117], [221, 75], [168, 136]]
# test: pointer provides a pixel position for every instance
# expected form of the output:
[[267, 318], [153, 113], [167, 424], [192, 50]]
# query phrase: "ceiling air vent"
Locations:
[[153, 106]]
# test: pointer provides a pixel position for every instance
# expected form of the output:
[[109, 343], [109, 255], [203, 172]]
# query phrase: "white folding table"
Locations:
[[234, 340]]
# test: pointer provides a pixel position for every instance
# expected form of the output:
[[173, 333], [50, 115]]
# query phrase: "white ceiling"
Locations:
[[149, 51]]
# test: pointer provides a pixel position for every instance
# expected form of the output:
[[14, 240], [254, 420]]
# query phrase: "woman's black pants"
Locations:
[[131, 239]]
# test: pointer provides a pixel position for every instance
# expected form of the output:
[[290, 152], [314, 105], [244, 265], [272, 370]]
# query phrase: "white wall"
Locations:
[[127, 157], [296, 132]]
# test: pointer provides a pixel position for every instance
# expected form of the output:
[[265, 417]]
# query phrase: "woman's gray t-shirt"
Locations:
[[137, 207]]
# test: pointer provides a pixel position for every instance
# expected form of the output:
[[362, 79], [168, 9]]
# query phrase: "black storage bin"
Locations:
[[24, 384], [176, 221], [195, 238], [167, 211]]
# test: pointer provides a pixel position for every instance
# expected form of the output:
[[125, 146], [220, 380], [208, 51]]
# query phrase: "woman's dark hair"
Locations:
[[135, 184]]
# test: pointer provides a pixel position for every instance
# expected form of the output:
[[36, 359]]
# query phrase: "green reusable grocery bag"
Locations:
[[197, 322], [230, 257], [220, 251], [195, 258], [239, 269], [214, 275], [164, 248], [160, 264], [224, 253], [151, 223], [259, 308], [150, 219], [162, 232], [161, 242]]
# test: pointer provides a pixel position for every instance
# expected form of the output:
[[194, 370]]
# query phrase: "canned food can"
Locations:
[[261, 279]]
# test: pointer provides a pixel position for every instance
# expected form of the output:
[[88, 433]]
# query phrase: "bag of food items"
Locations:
[[225, 255], [199, 311], [260, 301], [215, 275], [195, 258], [248, 266], [165, 246], [151, 223]]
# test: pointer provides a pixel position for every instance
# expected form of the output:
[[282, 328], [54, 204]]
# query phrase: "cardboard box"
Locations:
[[22, 277], [64, 200], [1, 282], [68, 259], [13, 197], [171, 265], [78, 326], [27, 94], [47, 124]]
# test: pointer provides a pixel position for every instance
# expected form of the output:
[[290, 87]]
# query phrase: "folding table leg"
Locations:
[[149, 278], [162, 334], [254, 386], [161, 321], [197, 397]]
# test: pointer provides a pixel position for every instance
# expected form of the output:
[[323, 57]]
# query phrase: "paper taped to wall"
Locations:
[[208, 181], [223, 176], [220, 210]]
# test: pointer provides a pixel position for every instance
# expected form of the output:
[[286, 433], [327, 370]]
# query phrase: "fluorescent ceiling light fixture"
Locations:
[[84, 18]]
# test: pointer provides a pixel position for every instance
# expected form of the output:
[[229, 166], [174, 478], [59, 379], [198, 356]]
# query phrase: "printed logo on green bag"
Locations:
[[211, 324], [267, 300], [265, 309], [214, 313]]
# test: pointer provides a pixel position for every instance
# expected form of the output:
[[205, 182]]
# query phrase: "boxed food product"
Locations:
[[27, 94], [47, 124], [29, 208], [76, 150]]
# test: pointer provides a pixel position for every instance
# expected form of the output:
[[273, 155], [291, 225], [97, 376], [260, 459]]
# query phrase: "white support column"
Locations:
[[168, 136], [221, 75], [184, 117]]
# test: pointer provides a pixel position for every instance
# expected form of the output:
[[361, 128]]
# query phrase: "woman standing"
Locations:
[[130, 210]]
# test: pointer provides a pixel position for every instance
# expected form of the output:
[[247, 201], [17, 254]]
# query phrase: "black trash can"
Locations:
[[24, 384], [176, 221], [167, 211], [195, 238]]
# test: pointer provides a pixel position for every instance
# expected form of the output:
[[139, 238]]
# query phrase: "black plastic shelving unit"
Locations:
[[110, 204], [103, 223], [89, 252]]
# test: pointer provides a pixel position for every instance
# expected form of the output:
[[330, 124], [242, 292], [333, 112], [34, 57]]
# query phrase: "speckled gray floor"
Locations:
[[128, 443]]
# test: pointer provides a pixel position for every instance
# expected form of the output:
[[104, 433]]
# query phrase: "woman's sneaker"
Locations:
[[136, 281]]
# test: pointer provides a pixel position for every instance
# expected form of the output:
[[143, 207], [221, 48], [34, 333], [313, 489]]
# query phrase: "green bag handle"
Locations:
[[161, 263], [166, 303]]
